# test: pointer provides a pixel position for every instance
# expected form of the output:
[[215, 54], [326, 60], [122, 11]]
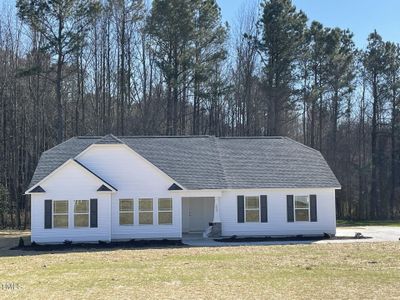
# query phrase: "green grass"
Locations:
[[368, 223], [317, 271]]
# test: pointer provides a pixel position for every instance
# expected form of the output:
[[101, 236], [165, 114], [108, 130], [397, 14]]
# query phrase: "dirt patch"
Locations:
[[9, 238]]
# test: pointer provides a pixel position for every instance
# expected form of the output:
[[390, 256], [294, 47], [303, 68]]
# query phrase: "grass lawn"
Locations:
[[396, 223], [325, 271]]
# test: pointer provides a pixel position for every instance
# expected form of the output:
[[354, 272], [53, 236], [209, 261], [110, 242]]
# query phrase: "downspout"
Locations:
[[111, 218]]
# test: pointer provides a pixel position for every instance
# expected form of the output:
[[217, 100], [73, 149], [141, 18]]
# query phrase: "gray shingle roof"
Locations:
[[204, 162], [56, 156]]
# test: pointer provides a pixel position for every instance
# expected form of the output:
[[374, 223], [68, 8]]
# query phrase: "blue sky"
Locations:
[[360, 16]]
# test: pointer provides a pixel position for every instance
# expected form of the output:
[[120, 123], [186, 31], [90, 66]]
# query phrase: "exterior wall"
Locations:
[[134, 178], [70, 183], [125, 170], [277, 214], [140, 231]]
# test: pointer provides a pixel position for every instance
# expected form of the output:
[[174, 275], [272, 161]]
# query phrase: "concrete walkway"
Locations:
[[377, 234]]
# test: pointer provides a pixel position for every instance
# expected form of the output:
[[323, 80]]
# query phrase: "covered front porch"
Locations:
[[200, 215]]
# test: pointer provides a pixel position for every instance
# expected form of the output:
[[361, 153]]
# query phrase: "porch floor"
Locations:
[[196, 239]]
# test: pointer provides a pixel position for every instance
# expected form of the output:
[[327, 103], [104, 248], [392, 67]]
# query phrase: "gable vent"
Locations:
[[174, 187], [103, 188], [38, 189]]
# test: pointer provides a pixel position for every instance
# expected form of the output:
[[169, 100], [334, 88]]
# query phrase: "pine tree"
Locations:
[[171, 27], [63, 23], [340, 75], [374, 64], [209, 51], [282, 35], [393, 87]]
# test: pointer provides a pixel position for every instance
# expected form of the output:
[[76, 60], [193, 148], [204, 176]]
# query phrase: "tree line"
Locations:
[[173, 67]]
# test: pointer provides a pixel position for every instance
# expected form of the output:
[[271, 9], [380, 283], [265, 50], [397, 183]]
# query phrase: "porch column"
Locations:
[[216, 218], [216, 228]]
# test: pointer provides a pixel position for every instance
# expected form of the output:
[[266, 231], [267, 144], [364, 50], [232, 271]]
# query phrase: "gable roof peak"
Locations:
[[109, 139]]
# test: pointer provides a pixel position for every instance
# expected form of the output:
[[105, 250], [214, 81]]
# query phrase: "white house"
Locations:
[[109, 188]]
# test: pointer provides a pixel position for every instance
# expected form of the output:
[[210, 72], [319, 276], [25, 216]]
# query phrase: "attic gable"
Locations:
[[72, 172]]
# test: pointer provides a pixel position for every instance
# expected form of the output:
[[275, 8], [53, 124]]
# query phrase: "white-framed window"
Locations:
[[126, 212], [145, 211], [301, 208], [164, 211], [60, 213], [81, 213], [252, 209]]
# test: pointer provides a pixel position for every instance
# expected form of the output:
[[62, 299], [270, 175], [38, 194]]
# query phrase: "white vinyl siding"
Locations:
[[134, 178], [71, 183], [277, 224]]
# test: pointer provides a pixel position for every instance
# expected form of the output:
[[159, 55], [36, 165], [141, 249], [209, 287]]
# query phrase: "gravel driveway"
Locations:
[[378, 233]]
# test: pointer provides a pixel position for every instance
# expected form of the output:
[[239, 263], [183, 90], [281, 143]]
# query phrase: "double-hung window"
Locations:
[[164, 211], [252, 209], [146, 211], [126, 211], [81, 213], [301, 208], [60, 214]]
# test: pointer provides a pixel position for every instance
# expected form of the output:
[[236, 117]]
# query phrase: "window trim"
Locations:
[[308, 209], [88, 214], [165, 211], [59, 214], [146, 211], [252, 209], [126, 211]]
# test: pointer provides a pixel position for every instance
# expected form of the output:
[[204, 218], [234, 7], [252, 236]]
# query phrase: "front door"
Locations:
[[197, 212]]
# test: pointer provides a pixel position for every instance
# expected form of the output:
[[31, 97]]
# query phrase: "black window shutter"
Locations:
[[48, 213], [93, 212], [290, 211], [264, 208], [313, 208], [240, 209]]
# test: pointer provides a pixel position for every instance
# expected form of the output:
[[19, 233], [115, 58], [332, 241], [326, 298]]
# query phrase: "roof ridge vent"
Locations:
[[253, 137], [109, 139]]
